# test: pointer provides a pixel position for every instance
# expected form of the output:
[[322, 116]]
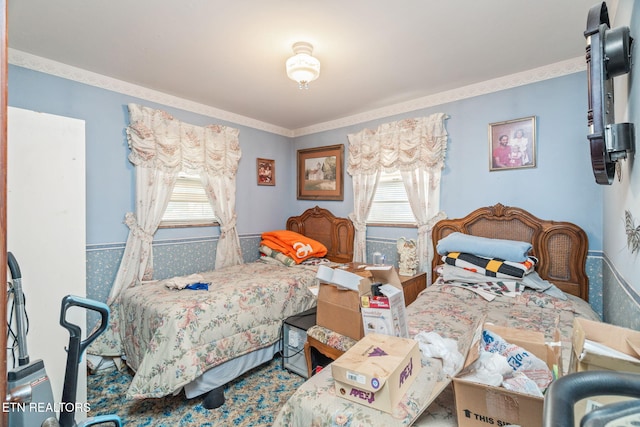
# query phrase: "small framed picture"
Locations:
[[320, 173], [512, 144], [266, 171]]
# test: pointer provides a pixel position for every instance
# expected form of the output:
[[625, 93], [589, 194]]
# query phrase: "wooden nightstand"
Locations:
[[412, 286]]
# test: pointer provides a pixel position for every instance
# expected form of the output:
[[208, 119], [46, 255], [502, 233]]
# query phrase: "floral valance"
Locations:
[[406, 145], [156, 139]]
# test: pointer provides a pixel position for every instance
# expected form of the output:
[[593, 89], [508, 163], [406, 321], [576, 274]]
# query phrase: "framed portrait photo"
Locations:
[[512, 144], [320, 173], [266, 170]]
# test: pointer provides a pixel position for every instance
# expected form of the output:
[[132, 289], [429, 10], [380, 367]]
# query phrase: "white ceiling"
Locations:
[[230, 55]]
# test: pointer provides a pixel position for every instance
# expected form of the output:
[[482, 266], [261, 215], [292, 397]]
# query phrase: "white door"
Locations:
[[46, 231]]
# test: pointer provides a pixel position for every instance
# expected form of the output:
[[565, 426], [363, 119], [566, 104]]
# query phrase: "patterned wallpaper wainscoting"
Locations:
[[594, 272], [386, 247], [622, 302]]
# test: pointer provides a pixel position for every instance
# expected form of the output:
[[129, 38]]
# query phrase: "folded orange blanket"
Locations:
[[293, 244]]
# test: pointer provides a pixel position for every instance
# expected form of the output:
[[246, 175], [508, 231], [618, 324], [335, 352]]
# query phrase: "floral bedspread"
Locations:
[[452, 312], [170, 337]]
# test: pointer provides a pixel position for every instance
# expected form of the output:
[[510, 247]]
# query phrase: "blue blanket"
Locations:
[[508, 250]]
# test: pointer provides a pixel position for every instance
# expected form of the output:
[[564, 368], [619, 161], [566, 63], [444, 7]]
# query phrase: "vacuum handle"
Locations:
[[74, 330], [21, 320], [13, 266]]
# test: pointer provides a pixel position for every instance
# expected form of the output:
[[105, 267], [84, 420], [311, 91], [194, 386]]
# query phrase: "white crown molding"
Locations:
[[558, 69], [44, 65], [36, 63]]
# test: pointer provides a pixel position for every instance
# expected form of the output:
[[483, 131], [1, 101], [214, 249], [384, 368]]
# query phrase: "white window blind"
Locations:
[[189, 204], [391, 204]]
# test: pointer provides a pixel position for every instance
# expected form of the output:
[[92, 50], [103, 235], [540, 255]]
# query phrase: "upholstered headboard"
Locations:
[[334, 232], [561, 247]]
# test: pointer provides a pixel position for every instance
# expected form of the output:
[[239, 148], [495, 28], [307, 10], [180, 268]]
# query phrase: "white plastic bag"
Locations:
[[520, 359], [489, 369], [522, 384], [433, 345]]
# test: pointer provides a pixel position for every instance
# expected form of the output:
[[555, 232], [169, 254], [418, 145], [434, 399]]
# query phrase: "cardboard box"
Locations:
[[618, 339], [339, 310], [385, 314], [339, 301], [482, 405], [586, 357], [339, 296], [377, 371]]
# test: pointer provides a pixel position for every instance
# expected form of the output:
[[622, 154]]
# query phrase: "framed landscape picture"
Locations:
[[266, 170], [320, 173], [512, 144]]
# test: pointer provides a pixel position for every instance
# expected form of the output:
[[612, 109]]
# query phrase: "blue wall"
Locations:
[[110, 176], [561, 187], [621, 288]]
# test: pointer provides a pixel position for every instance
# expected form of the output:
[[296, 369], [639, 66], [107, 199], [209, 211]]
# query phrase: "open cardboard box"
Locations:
[[616, 338], [482, 405], [588, 354], [340, 292], [385, 314], [377, 371]]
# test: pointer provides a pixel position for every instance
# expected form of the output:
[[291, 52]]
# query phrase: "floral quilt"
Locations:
[[452, 312], [172, 336]]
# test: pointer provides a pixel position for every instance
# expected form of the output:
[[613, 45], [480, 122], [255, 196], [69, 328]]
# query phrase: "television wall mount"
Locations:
[[608, 55]]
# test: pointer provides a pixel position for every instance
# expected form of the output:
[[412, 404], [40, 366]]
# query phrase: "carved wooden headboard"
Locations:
[[561, 247], [334, 232]]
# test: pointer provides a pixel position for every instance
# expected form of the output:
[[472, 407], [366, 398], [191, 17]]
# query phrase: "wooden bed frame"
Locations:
[[335, 233], [561, 247]]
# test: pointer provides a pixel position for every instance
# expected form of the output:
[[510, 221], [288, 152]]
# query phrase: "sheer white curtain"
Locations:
[[161, 147], [417, 148], [363, 165]]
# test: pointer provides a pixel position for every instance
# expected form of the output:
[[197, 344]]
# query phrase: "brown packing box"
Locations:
[[620, 339], [339, 308], [624, 340], [482, 405], [377, 371]]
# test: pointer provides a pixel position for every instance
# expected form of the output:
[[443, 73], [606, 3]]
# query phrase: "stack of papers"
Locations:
[[603, 350], [489, 290]]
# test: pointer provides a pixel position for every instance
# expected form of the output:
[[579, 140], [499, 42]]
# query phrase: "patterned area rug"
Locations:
[[254, 399]]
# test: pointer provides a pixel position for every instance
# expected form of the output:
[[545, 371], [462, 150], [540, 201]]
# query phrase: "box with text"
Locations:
[[377, 371], [481, 405], [339, 298]]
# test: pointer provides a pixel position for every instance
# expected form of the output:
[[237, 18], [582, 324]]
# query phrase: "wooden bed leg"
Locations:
[[214, 398], [307, 356]]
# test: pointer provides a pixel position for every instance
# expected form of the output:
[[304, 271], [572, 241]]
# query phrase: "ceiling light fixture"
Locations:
[[302, 67]]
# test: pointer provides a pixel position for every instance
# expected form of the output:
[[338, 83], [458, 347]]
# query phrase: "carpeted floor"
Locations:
[[254, 399]]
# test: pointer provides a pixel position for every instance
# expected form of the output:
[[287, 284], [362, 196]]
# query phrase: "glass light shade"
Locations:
[[302, 67]]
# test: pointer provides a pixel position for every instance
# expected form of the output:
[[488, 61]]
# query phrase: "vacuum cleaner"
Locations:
[[30, 400]]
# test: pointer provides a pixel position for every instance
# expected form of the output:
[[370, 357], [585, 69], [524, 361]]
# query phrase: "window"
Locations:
[[391, 204], [189, 204]]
